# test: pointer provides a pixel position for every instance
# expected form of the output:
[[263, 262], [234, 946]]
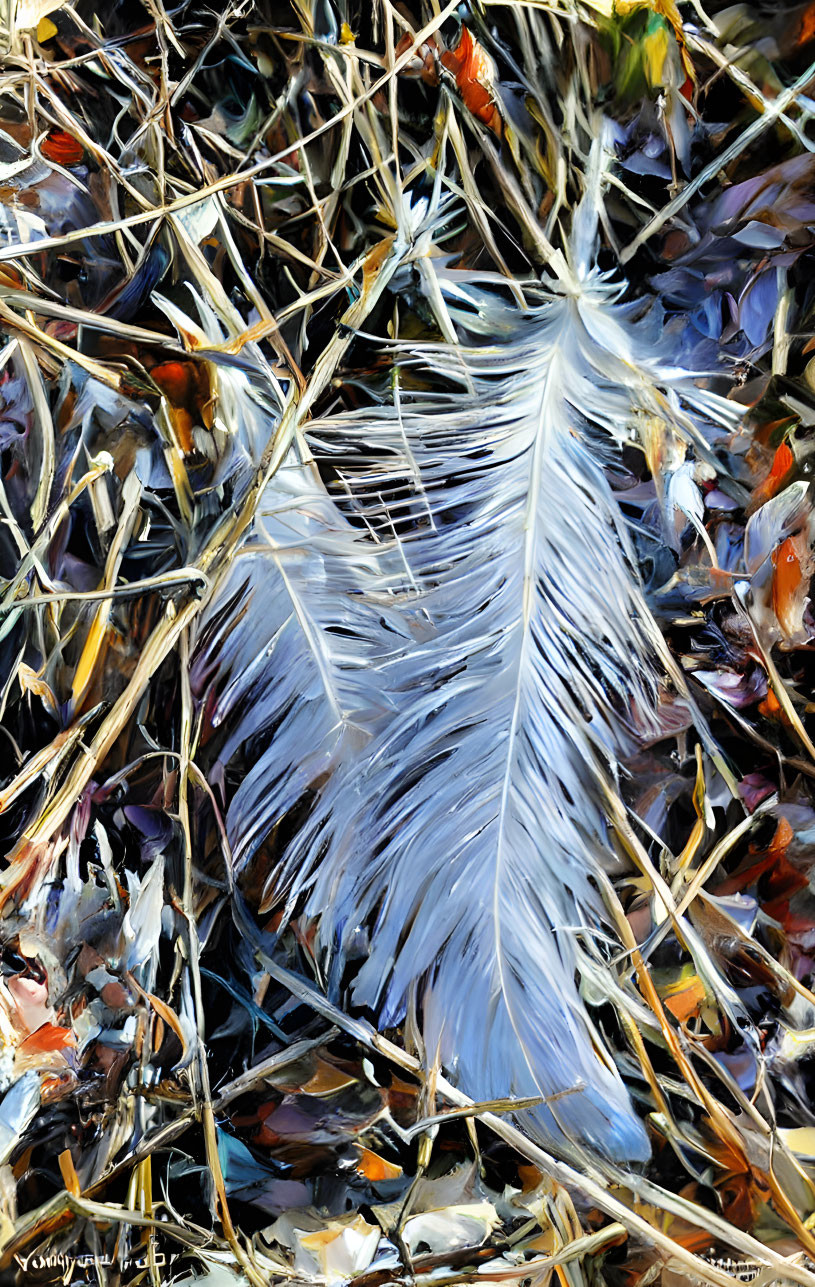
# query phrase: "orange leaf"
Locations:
[[687, 1000], [530, 1178], [48, 1037], [782, 838], [771, 708], [375, 1168], [186, 387], [804, 32], [788, 579], [176, 379], [68, 1172], [783, 462], [327, 1080], [62, 148], [474, 73]]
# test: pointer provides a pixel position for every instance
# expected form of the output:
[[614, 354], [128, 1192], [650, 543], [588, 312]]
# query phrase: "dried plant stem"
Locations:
[[564, 1174]]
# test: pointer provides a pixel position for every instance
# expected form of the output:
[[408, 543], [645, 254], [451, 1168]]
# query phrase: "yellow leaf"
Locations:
[[654, 54], [68, 1172], [94, 645]]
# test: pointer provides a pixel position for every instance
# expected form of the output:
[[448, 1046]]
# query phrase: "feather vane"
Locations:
[[454, 850]]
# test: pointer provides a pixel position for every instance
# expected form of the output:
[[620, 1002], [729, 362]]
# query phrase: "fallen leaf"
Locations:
[[475, 75], [61, 147], [376, 1168], [47, 1038]]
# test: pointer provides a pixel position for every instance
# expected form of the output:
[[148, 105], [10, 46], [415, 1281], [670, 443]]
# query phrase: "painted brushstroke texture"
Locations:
[[451, 842]]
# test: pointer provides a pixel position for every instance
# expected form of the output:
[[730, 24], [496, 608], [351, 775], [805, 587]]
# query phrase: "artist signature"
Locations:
[[66, 1263]]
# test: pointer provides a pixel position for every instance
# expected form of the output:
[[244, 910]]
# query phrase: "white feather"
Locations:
[[285, 655], [453, 847]]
